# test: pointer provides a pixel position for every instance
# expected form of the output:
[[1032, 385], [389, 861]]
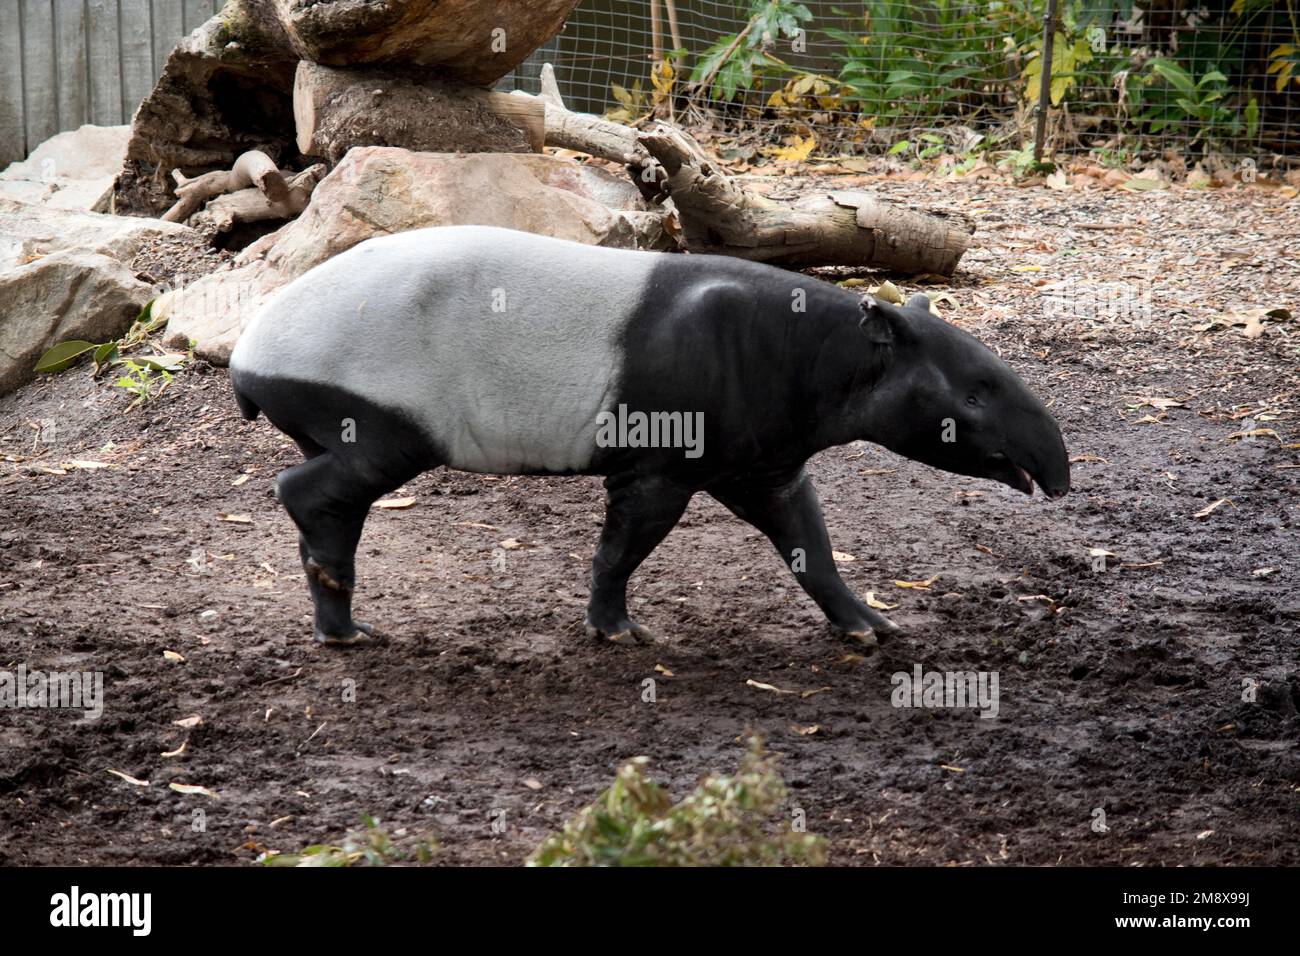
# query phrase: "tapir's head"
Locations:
[[945, 400]]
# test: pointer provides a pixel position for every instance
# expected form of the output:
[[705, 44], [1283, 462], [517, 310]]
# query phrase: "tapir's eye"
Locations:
[[972, 401]]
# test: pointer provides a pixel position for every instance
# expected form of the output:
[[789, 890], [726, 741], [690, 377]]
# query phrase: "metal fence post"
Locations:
[[1045, 86]]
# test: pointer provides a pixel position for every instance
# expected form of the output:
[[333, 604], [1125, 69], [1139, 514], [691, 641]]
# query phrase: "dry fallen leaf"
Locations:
[[190, 788], [133, 781], [1161, 403], [759, 685], [177, 752], [84, 465], [919, 585], [873, 601], [1208, 509], [172, 656], [842, 557], [663, 670], [511, 544], [234, 519], [532, 783], [393, 504], [239, 481], [1254, 432], [888, 292], [187, 722], [805, 731]]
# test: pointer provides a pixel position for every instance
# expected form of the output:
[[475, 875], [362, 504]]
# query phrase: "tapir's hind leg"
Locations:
[[788, 513], [639, 513], [328, 500]]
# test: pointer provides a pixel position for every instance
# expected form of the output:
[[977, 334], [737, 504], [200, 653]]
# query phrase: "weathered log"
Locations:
[[472, 41], [336, 109], [718, 215]]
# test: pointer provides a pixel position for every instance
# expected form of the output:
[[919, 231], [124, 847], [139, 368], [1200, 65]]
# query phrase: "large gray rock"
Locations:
[[72, 294], [73, 170], [378, 191], [31, 229], [66, 275]]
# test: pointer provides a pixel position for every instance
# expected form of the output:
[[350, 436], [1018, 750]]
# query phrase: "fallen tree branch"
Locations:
[[251, 205], [253, 168]]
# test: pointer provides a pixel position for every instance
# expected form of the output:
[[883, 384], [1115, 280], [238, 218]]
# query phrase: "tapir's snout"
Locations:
[[1038, 456]]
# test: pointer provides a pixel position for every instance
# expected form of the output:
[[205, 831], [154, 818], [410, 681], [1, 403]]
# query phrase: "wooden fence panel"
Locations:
[[64, 63], [13, 133]]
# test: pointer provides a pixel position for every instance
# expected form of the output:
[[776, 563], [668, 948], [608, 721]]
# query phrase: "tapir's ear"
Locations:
[[878, 322], [919, 301]]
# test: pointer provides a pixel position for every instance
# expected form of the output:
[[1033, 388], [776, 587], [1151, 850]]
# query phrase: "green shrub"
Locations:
[[725, 821]]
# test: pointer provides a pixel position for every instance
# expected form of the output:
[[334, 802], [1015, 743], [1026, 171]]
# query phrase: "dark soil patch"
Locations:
[[1120, 689]]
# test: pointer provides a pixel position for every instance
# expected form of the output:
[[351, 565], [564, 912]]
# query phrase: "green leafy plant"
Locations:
[[371, 847], [726, 821], [737, 61], [931, 58], [143, 381], [1181, 98], [145, 375]]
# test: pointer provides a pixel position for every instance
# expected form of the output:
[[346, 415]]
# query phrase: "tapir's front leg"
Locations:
[[639, 513], [786, 509]]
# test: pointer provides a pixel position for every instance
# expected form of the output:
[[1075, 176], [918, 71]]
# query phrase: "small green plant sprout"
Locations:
[[371, 847], [738, 820], [145, 375], [1021, 162]]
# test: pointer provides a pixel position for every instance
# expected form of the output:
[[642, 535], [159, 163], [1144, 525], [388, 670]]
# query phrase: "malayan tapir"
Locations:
[[494, 351]]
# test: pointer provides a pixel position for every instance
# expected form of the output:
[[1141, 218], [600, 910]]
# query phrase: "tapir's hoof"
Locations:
[[363, 636], [632, 634], [867, 638]]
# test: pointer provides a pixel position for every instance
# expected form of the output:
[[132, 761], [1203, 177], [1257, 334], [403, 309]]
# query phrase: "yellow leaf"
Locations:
[[879, 605], [918, 585], [842, 557], [394, 504], [797, 151]]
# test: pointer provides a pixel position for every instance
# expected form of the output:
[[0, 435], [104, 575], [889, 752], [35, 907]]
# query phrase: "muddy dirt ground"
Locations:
[[1121, 687]]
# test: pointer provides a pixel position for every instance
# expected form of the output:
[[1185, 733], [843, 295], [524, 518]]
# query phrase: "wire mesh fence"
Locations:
[[1123, 78]]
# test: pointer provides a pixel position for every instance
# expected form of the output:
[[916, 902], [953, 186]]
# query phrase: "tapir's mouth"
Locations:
[[1003, 469]]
